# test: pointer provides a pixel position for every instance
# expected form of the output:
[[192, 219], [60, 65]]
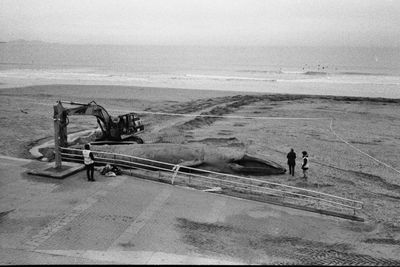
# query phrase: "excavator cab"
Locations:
[[130, 124]]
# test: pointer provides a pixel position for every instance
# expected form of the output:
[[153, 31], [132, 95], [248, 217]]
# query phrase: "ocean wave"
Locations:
[[302, 72], [315, 73], [15, 63], [292, 72], [340, 81], [262, 71], [274, 71], [227, 78], [362, 73], [86, 74], [76, 74]]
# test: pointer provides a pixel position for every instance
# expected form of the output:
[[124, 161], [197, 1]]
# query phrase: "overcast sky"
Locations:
[[204, 22]]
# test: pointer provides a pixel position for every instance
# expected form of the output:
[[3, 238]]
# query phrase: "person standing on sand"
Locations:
[[88, 160], [305, 165], [291, 156]]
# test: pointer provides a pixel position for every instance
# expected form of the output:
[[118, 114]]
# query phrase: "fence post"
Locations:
[[58, 163], [175, 170]]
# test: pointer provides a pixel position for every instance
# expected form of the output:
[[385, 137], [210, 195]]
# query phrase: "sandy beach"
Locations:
[[352, 141], [223, 91]]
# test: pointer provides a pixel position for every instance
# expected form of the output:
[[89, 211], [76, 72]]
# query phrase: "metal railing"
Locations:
[[202, 177]]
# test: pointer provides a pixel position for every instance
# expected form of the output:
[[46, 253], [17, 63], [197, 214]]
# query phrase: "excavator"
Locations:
[[118, 129]]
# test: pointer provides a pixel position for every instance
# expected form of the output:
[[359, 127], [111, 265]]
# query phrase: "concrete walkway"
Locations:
[[127, 220]]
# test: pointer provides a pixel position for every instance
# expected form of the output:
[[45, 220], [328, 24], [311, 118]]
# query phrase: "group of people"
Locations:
[[291, 156]]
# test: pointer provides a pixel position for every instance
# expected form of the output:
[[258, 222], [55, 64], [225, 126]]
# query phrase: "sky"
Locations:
[[204, 22]]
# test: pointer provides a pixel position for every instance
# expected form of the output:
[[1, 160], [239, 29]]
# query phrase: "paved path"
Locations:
[[133, 221]]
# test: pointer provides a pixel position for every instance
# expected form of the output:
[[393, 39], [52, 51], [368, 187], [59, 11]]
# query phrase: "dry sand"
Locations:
[[371, 125]]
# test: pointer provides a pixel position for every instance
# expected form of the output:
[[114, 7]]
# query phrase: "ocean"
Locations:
[[347, 71]]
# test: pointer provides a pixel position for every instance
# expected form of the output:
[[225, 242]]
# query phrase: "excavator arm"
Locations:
[[113, 128], [103, 118]]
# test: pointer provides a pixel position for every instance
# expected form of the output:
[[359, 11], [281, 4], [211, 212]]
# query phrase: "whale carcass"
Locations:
[[218, 159]]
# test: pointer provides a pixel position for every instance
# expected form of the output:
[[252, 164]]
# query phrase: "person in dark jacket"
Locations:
[[305, 164], [291, 156]]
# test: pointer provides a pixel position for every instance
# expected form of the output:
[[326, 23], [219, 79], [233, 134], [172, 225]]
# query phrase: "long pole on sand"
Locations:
[[56, 119]]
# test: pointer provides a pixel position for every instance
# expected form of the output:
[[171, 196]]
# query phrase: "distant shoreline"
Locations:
[[143, 92]]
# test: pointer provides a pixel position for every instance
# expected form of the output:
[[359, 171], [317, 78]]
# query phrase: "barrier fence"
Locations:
[[173, 174]]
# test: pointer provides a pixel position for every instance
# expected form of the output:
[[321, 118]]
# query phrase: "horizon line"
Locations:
[[193, 45]]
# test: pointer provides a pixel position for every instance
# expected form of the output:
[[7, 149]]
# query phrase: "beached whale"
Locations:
[[218, 159]]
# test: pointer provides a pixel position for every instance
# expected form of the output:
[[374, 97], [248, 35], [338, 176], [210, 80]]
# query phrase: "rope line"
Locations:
[[219, 116], [362, 152], [201, 115]]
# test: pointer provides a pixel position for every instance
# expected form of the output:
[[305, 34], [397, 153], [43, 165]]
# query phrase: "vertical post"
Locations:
[[60, 131], [57, 142]]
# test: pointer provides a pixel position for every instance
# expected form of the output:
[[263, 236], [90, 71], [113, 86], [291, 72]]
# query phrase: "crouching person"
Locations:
[[88, 160]]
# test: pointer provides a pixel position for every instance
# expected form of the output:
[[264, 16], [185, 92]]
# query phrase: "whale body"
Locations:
[[206, 157]]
